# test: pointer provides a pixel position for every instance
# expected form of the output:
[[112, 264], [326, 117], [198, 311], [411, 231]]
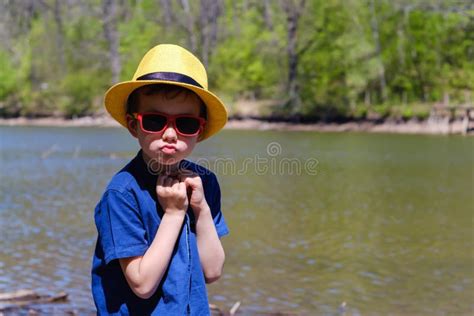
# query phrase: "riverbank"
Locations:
[[429, 126]]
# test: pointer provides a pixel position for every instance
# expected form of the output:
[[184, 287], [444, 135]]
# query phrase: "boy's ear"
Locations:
[[132, 125]]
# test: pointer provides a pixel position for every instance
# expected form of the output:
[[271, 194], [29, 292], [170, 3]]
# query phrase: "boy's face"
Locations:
[[167, 147]]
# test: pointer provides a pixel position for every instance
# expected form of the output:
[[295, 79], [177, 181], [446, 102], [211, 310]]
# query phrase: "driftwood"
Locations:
[[18, 295], [216, 311], [10, 302], [24, 298]]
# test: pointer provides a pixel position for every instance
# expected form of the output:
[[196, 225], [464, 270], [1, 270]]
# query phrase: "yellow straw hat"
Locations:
[[169, 64]]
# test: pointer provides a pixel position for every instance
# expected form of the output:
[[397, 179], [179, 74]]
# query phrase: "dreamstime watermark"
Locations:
[[272, 163]]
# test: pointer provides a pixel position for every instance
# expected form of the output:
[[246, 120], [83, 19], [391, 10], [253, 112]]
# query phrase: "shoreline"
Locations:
[[429, 126]]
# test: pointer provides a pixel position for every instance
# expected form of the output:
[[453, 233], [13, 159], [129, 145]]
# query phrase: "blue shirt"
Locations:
[[127, 218]]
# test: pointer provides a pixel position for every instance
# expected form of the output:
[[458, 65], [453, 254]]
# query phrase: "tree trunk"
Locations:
[[60, 36], [210, 12], [267, 14], [189, 26], [167, 13], [205, 32], [109, 14], [402, 36], [293, 10], [218, 9], [378, 50]]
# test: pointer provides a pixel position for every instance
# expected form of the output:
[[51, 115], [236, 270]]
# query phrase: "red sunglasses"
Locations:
[[184, 124]]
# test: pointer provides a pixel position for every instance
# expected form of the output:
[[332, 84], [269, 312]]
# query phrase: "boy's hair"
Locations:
[[168, 91]]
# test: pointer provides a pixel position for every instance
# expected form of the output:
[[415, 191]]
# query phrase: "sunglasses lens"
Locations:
[[187, 125], [153, 123]]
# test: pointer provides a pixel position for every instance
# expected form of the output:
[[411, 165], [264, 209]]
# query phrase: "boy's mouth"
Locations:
[[168, 149]]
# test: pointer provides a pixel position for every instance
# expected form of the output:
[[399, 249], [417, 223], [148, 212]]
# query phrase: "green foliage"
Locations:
[[138, 34], [354, 59], [417, 111], [359, 111], [79, 88], [245, 65], [8, 76], [329, 75], [382, 110]]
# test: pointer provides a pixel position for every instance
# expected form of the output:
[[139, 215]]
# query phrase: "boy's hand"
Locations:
[[193, 183], [172, 195]]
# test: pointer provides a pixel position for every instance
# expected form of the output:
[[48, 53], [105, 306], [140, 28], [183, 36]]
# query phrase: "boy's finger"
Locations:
[[182, 177], [189, 182], [182, 186], [185, 179], [174, 182]]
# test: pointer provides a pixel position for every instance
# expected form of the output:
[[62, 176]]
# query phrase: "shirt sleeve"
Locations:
[[214, 202], [120, 228]]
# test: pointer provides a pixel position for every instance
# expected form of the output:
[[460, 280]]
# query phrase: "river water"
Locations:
[[321, 224]]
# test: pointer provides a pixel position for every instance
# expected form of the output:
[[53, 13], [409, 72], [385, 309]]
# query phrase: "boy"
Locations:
[[159, 220]]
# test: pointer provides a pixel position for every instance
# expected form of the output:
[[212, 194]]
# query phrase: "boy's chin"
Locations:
[[163, 160], [169, 162], [163, 165], [166, 160]]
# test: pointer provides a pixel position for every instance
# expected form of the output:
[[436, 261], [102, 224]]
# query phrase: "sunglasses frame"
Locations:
[[170, 119]]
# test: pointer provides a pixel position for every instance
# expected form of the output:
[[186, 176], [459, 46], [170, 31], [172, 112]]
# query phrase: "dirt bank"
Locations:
[[429, 126]]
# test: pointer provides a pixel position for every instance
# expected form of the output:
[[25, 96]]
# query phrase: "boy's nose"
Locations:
[[170, 134]]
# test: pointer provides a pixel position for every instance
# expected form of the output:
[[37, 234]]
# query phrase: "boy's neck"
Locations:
[[156, 168]]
